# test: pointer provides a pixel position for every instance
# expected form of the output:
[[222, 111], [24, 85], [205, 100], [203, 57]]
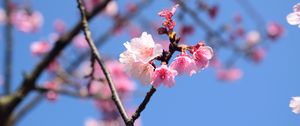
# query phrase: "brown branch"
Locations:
[[9, 103], [104, 37], [19, 115], [143, 105], [115, 96], [8, 49]]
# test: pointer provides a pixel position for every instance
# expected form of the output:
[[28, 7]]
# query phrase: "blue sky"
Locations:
[[260, 98]]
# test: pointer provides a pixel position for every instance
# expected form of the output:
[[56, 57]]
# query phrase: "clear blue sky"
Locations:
[[260, 98]]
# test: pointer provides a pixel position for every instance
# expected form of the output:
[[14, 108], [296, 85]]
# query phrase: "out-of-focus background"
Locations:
[[260, 98]]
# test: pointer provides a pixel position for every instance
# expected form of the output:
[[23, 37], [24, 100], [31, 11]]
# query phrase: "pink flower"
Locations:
[[168, 13], [90, 4], [164, 75], [39, 48], [184, 64], [59, 26], [231, 74], [257, 54], [202, 56], [111, 8], [142, 49], [27, 21], [80, 42], [274, 30], [252, 38], [295, 104], [294, 17]]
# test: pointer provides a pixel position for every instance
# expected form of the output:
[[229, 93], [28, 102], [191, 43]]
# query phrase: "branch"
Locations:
[[143, 105], [8, 49], [115, 96], [104, 37], [9, 103], [19, 115]]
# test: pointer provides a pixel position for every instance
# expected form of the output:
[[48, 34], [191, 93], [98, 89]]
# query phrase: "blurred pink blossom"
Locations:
[[295, 104], [27, 21], [274, 30], [165, 75], [111, 8], [252, 38], [257, 54], [231, 74], [80, 42], [59, 26], [39, 48]]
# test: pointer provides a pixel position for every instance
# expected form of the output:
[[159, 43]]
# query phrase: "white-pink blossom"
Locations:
[[39, 48], [183, 63], [141, 71], [143, 48], [294, 17], [91, 122], [164, 75], [295, 104], [252, 38], [202, 56], [140, 51]]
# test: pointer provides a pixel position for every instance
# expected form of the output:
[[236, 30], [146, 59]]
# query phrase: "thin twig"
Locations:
[[8, 49], [115, 96], [143, 105]]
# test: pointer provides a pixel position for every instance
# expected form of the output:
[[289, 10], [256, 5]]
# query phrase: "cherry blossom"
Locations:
[[183, 63], [27, 22], [230, 74], [294, 17], [252, 38], [143, 48], [111, 8], [274, 30], [257, 54], [213, 11], [141, 71], [168, 13], [295, 104], [164, 75], [39, 48], [59, 26], [202, 55], [91, 122]]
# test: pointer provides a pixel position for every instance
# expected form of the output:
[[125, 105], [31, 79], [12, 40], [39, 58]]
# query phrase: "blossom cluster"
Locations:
[[141, 53]]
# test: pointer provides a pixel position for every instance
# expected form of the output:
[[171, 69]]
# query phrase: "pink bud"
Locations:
[[213, 11], [257, 54], [59, 26]]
